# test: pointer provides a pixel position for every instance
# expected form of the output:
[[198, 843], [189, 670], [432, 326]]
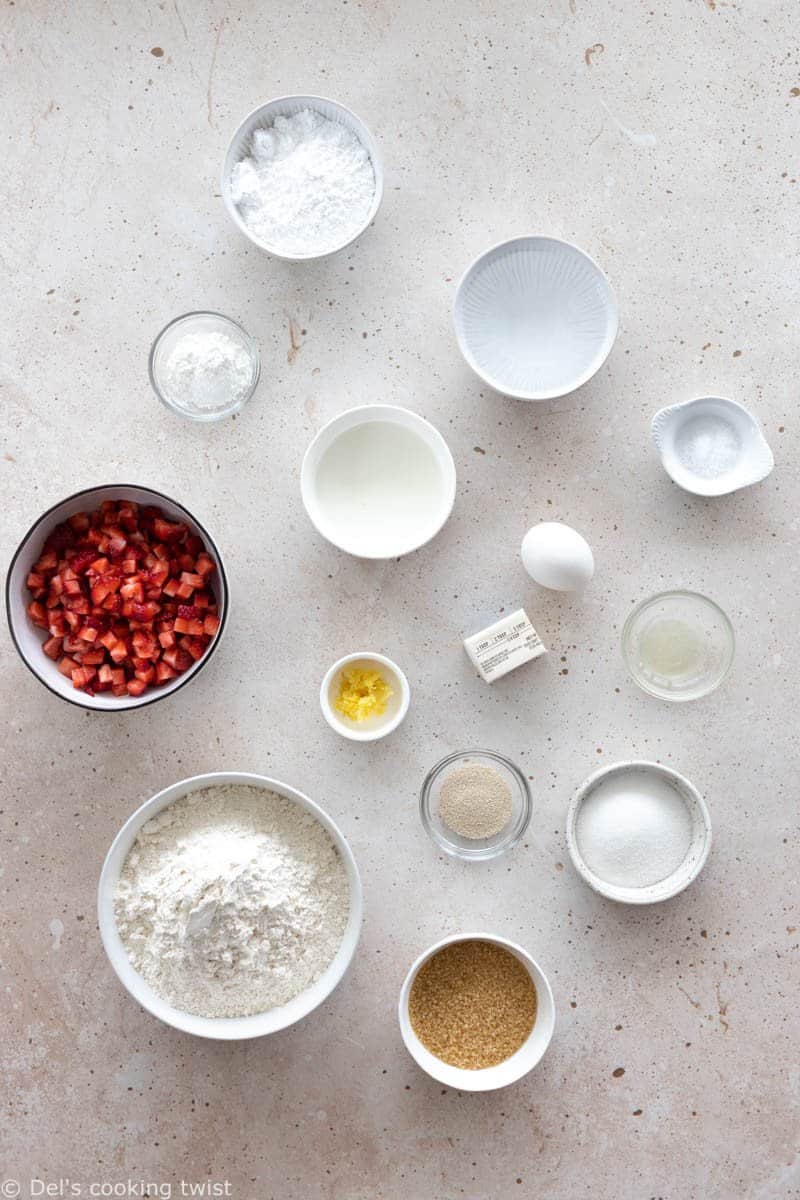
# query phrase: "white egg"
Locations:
[[557, 557]]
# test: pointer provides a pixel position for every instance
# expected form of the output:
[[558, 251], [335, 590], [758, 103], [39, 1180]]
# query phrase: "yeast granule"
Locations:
[[472, 1004]]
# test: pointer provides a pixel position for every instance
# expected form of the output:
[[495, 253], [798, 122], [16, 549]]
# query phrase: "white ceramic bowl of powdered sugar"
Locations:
[[302, 177], [230, 905]]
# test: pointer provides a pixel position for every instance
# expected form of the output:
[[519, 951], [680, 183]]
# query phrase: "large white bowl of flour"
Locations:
[[212, 902]]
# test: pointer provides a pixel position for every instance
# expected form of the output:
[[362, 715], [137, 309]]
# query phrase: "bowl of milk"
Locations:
[[378, 481]]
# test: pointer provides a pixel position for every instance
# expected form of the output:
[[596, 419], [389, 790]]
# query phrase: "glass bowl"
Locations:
[[475, 849], [678, 645], [200, 322]]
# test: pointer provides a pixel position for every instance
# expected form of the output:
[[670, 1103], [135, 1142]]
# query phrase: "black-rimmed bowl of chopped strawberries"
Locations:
[[116, 597]]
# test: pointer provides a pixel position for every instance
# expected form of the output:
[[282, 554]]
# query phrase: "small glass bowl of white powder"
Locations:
[[475, 804], [204, 366], [302, 177]]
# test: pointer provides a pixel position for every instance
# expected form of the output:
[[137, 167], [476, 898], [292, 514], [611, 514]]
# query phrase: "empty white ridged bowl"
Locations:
[[535, 317]]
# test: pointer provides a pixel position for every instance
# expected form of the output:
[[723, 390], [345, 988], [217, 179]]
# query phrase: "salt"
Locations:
[[708, 446], [306, 186], [633, 830]]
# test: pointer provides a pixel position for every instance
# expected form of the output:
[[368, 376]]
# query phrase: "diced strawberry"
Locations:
[[164, 673], [178, 658], [194, 646], [132, 589], [82, 560], [38, 614], [118, 652], [167, 531], [47, 562], [145, 612], [106, 589], [128, 515], [52, 647], [81, 676], [77, 604]]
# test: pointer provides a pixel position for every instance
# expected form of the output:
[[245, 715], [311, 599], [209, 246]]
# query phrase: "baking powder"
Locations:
[[307, 185], [232, 901], [206, 371]]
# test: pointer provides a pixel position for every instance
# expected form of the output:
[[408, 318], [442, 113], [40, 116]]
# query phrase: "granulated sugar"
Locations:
[[633, 829], [306, 186]]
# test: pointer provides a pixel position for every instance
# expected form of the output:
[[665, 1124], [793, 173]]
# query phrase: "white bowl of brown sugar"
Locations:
[[476, 1012]]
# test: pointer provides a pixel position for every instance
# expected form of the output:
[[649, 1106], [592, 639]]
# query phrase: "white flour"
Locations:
[[206, 371], [306, 187], [232, 901]]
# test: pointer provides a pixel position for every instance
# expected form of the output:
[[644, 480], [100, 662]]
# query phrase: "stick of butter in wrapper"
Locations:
[[502, 647]]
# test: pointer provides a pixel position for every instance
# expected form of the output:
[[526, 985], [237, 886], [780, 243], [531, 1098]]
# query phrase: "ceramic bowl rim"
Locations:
[[132, 703], [480, 1080], [365, 136], [612, 311], [668, 593], [431, 434], [219, 1028], [202, 418], [356, 735], [612, 891], [501, 846]]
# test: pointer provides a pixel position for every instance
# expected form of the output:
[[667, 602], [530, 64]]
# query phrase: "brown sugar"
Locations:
[[472, 1004]]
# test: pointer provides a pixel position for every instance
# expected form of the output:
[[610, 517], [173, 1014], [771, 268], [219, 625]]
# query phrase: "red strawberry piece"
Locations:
[[204, 565], [135, 687], [128, 516], [47, 562], [82, 676], [167, 531], [92, 658], [38, 614], [188, 612], [178, 658], [72, 587], [211, 624], [132, 589], [166, 638], [118, 652], [35, 581], [79, 522], [146, 674], [164, 673], [67, 666], [87, 633], [116, 546], [171, 587], [52, 647], [194, 646]]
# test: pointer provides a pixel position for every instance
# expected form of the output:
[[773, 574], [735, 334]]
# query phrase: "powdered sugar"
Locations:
[[307, 185], [232, 901], [206, 371]]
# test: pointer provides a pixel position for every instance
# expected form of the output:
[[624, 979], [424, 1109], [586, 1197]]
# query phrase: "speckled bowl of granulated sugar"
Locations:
[[230, 905], [475, 804]]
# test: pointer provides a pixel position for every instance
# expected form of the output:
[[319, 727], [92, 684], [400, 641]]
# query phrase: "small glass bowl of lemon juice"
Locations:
[[678, 645]]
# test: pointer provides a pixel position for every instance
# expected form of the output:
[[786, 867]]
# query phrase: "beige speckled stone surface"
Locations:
[[663, 139]]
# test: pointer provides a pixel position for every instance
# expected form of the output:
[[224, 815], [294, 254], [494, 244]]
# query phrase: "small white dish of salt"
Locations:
[[638, 832], [711, 446]]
